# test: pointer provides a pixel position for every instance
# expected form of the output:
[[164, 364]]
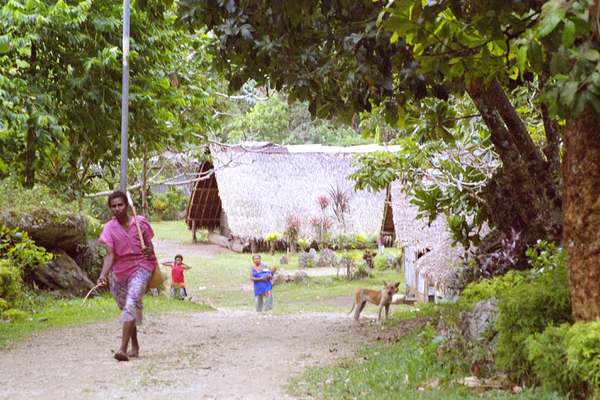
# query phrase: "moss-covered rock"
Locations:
[[64, 275], [48, 229]]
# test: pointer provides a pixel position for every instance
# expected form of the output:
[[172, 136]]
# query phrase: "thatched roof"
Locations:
[[440, 258], [437, 264], [413, 232], [260, 190]]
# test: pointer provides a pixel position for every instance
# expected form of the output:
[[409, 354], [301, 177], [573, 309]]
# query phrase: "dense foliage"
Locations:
[[61, 86], [11, 288], [169, 205], [21, 251], [478, 266]]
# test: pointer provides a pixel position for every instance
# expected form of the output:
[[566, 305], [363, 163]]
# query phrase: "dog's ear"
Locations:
[[384, 284], [397, 284]]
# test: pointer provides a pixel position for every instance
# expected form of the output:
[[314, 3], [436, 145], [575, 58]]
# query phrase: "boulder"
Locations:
[[313, 254], [90, 257], [50, 231], [64, 275], [327, 259], [279, 278], [300, 277], [473, 332], [474, 323], [305, 261], [283, 260]]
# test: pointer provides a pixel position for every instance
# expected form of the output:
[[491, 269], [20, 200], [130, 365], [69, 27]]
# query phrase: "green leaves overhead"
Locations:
[[330, 54], [60, 87]]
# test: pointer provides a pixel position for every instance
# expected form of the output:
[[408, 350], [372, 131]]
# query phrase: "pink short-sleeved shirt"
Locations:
[[128, 250]]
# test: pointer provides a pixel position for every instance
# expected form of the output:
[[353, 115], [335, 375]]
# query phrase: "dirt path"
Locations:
[[225, 354]]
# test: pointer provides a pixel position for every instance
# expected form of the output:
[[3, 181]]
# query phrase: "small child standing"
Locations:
[[263, 288], [177, 281], [381, 244]]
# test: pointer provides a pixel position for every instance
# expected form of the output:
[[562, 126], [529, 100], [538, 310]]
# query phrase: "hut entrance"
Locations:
[[205, 209]]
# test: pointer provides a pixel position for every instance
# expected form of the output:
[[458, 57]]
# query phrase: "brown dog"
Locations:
[[381, 298]]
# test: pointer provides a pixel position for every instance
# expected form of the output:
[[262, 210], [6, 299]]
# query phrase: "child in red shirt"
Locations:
[[177, 281]]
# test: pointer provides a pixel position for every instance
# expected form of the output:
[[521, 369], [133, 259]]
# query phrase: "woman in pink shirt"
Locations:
[[127, 267]]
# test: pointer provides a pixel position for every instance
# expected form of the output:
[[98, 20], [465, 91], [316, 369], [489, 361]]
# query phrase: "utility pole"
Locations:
[[125, 96]]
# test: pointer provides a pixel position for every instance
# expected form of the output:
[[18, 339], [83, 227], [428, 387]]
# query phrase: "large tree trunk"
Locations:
[[581, 193], [533, 191]]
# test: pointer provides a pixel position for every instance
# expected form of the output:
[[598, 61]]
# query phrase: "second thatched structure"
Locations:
[[428, 254]]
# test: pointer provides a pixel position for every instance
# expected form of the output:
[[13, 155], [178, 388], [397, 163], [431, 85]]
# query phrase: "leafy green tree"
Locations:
[[261, 118], [345, 57], [60, 86], [265, 121]]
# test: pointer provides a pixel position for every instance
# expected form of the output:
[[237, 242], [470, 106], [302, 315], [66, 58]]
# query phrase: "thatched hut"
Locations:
[[255, 189], [428, 254]]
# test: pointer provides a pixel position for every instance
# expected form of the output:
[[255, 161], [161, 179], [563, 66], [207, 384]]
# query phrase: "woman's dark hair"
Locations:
[[179, 256], [115, 195]]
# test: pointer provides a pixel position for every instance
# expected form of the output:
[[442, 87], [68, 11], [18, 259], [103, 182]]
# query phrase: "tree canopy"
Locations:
[[60, 86]]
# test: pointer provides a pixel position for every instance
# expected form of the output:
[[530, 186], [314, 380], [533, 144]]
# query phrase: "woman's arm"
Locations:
[[109, 259], [257, 278]]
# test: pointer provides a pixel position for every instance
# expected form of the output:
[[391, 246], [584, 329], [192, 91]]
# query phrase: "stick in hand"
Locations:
[[137, 224]]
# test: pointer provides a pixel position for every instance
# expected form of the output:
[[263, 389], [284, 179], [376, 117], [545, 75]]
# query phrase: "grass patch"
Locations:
[[176, 231], [49, 312], [402, 370]]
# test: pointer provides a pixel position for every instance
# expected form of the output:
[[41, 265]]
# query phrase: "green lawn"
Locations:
[[177, 231]]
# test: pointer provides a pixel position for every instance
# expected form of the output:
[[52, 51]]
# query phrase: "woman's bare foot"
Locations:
[[121, 356], [133, 353]]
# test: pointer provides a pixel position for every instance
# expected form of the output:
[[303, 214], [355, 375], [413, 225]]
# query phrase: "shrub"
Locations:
[[22, 252], [527, 309], [345, 242], [272, 237], [544, 257], [478, 266], [381, 262], [174, 200], [304, 244], [583, 354], [159, 208], [362, 269], [31, 201], [11, 287], [292, 230], [547, 353], [94, 228], [566, 358], [491, 288]]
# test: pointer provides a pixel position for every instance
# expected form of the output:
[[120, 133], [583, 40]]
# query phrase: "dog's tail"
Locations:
[[353, 301]]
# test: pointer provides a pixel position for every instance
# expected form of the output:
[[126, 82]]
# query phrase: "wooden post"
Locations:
[[194, 240]]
